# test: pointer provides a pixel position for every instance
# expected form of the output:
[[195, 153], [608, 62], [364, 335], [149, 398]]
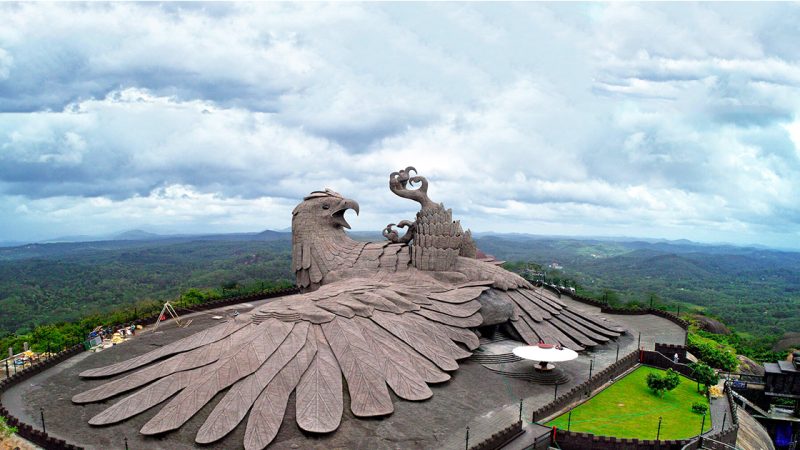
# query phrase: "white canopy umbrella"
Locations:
[[545, 353]]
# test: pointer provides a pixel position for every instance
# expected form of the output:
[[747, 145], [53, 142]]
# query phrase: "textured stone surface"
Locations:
[[385, 316], [494, 309]]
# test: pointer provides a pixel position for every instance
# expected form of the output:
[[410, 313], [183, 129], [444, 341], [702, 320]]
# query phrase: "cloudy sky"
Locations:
[[650, 120]]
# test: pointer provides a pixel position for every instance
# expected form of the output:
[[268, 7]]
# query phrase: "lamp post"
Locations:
[[703, 424], [466, 447], [658, 433], [41, 413], [591, 366]]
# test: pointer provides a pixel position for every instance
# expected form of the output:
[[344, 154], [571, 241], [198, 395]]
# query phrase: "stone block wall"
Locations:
[[584, 389], [626, 311], [27, 431], [568, 440], [669, 350], [502, 437]]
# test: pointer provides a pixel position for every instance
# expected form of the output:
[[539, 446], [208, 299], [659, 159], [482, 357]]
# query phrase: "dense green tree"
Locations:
[[663, 383], [704, 374]]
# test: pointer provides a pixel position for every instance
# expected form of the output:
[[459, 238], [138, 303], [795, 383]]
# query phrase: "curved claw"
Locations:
[[393, 236], [399, 182]]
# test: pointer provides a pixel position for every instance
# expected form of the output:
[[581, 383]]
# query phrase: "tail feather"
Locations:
[[365, 382], [319, 393], [244, 361], [194, 341], [267, 413], [241, 396]]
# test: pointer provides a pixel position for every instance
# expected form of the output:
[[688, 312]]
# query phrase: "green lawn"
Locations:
[[628, 409]]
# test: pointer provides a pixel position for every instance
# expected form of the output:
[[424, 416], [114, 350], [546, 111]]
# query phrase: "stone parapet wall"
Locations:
[[569, 440], [605, 308], [584, 389], [220, 304], [662, 361], [499, 439], [27, 431], [669, 350]]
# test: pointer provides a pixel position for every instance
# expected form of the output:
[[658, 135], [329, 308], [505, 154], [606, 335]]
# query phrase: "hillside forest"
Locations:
[[756, 292]]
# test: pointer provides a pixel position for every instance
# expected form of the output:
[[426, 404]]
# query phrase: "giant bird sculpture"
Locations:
[[386, 315]]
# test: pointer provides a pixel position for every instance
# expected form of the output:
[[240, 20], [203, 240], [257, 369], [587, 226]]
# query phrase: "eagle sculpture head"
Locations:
[[322, 211]]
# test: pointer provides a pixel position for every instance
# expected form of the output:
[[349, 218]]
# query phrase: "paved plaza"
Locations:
[[474, 397]]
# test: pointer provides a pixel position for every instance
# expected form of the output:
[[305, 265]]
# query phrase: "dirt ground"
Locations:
[[16, 443]]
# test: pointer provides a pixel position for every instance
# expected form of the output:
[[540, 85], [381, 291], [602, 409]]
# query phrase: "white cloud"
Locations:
[[614, 118]]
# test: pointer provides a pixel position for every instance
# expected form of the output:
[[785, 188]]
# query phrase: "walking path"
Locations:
[[652, 328]]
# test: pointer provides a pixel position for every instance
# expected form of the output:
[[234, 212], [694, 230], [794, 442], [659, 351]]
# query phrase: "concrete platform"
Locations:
[[475, 396]]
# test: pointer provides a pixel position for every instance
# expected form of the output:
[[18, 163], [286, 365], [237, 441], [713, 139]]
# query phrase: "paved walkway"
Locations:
[[652, 328]]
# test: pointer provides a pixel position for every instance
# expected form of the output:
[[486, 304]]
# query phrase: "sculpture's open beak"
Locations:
[[338, 213]]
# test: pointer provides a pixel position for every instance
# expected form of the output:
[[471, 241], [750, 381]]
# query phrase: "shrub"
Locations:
[[5, 430], [712, 353], [699, 407], [660, 384]]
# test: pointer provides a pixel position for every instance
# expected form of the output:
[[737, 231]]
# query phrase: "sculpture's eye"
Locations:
[[326, 206]]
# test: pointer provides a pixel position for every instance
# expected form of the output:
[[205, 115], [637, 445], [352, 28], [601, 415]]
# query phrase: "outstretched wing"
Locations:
[[380, 335], [540, 316]]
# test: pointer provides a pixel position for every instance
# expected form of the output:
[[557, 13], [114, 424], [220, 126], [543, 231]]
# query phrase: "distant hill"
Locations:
[[755, 290], [269, 235], [136, 235], [43, 283]]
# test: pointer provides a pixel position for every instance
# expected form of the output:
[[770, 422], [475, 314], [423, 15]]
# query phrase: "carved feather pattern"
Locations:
[[365, 382], [184, 361], [146, 398], [396, 367], [192, 342], [319, 393], [241, 396], [244, 361], [267, 413], [419, 339]]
